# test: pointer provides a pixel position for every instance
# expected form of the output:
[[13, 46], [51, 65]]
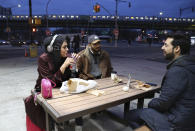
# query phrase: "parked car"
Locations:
[[192, 40], [84, 39], [154, 37], [28, 42], [105, 37], [4, 42], [15, 43], [22, 42]]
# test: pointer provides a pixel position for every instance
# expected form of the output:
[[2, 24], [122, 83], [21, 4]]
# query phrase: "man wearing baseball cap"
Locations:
[[94, 63]]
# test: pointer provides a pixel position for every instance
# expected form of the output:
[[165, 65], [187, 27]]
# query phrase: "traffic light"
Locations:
[[34, 29], [96, 8]]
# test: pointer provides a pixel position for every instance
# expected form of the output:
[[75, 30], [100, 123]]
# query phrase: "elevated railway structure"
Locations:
[[85, 21]]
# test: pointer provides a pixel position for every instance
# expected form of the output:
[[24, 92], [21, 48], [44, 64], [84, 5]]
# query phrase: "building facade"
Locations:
[[5, 11]]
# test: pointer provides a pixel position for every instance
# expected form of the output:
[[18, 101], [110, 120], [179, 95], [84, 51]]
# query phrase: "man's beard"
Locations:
[[170, 56], [96, 50]]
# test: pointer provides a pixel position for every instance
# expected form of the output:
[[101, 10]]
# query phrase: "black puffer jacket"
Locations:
[[176, 103]]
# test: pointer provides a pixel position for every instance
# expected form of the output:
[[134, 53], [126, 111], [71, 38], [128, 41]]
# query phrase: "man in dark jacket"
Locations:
[[174, 109]]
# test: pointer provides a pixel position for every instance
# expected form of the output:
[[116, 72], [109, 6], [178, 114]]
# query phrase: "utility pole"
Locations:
[[116, 30], [30, 21], [116, 23], [47, 12]]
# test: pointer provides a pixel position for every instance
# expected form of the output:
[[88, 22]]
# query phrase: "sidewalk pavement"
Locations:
[[18, 76]]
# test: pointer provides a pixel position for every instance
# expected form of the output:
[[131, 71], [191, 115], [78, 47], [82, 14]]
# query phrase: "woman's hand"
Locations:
[[69, 61], [75, 56]]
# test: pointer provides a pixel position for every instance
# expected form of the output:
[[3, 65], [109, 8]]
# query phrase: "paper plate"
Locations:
[[80, 88]]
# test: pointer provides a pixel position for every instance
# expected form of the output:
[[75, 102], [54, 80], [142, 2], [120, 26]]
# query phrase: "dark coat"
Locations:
[[84, 64], [174, 109], [46, 68]]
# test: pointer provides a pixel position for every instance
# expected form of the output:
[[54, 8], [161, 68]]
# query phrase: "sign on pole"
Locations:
[[116, 33], [48, 32], [82, 33]]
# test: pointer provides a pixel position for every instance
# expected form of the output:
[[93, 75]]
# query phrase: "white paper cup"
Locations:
[[125, 88], [113, 76]]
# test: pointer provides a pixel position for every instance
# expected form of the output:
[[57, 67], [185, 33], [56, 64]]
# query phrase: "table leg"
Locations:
[[140, 103], [48, 122], [56, 127], [126, 109]]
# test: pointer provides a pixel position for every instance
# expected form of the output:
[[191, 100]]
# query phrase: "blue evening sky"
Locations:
[[170, 8]]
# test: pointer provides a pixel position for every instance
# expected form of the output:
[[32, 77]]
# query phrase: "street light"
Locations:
[[47, 11], [161, 13], [116, 32], [160, 17], [116, 20], [116, 23], [18, 5]]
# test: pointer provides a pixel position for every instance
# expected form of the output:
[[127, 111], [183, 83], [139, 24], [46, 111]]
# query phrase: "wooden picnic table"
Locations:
[[62, 106]]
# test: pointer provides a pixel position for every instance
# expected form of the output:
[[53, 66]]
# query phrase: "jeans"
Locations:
[[79, 121], [133, 118]]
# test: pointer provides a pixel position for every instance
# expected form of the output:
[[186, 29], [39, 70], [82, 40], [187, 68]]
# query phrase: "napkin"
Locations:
[[144, 87], [95, 92]]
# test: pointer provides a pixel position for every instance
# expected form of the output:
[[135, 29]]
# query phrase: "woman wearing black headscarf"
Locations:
[[53, 64]]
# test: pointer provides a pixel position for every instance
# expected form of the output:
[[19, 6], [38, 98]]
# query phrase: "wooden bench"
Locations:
[[143, 128]]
